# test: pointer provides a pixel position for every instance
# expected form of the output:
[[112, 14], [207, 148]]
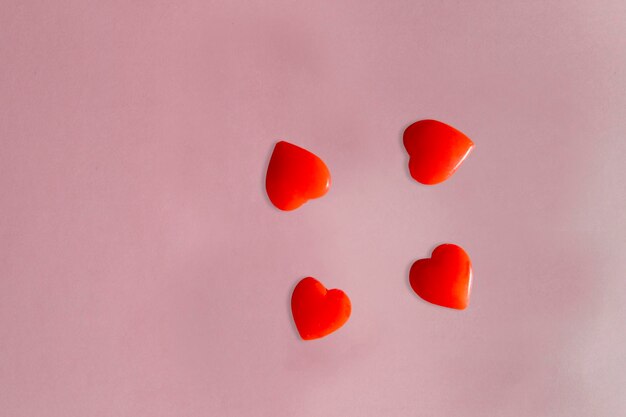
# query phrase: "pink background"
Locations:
[[143, 271]]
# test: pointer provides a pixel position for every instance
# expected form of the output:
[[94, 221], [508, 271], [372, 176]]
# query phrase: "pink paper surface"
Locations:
[[143, 271]]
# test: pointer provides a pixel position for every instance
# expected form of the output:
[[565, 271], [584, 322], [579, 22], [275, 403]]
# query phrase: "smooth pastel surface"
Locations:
[[436, 150], [317, 312], [294, 176], [445, 278], [144, 273]]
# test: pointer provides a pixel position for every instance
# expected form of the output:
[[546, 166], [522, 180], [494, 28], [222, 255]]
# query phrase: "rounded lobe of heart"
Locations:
[[294, 176], [445, 278], [436, 150], [316, 311]]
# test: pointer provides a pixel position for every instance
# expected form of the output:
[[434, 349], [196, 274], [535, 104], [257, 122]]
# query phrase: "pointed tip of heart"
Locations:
[[318, 312], [444, 279], [436, 150], [295, 176]]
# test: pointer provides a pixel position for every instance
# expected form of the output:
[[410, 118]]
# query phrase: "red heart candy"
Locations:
[[435, 149], [294, 176], [445, 278], [317, 311]]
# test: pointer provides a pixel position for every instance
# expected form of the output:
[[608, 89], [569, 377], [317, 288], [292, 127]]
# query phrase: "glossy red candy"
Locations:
[[294, 176], [445, 278], [317, 311], [436, 150]]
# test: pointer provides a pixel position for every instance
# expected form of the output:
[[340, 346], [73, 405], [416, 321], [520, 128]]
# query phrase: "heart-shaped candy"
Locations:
[[317, 311], [294, 176], [435, 149], [445, 278]]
